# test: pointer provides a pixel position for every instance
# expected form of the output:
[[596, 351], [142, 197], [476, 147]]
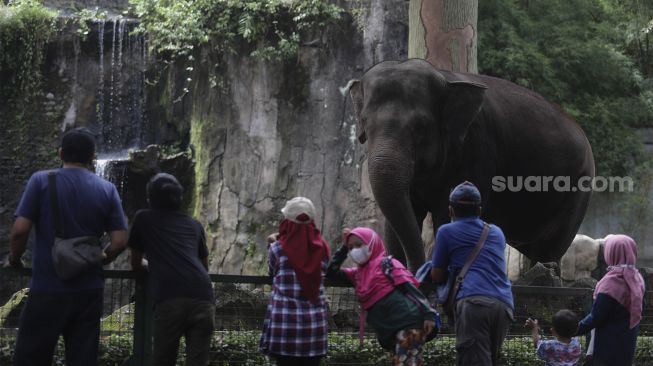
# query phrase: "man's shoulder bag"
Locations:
[[71, 256], [453, 284]]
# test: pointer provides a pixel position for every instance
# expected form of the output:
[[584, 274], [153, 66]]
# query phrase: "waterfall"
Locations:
[[141, 44], [121, 110], [101, 167], [104, 168], [112, 70], [121, 33], [120, 97], [100, 97], [116, 86], [137, 50], [71, 113]]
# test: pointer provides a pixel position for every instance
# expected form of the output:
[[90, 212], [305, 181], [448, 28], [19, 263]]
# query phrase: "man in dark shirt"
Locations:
[[88, 206], [177, 260]]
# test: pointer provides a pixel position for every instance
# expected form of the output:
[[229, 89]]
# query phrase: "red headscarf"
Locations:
[[371, 284], [305, 249], [623, 281]]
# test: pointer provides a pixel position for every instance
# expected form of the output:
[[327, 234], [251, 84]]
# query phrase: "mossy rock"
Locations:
[[10, 311]]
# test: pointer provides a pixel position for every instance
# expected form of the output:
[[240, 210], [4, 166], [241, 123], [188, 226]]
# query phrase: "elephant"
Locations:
[[427, 130]]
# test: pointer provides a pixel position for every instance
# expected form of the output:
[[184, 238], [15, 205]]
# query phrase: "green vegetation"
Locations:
[[592, 57], [25, 29], [86, 16], [241, 348], [263, 29], [270, 28]]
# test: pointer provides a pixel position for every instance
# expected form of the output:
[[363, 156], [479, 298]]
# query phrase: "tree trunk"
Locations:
[[444, 33]]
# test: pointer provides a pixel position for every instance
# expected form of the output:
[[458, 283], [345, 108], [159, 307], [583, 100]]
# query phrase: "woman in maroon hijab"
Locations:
[[295, 327]]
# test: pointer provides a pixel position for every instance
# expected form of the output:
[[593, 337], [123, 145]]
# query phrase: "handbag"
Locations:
[[71, 256], [447, 293]]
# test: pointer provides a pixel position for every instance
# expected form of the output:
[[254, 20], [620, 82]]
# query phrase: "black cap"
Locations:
[[78, 145], [164, 192]]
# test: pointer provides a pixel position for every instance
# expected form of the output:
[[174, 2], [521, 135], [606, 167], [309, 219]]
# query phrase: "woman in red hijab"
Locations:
[[617, 308], [295, 326], [387, 292]]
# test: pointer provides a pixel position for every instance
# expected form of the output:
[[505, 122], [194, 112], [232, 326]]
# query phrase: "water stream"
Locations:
[[100, 94], [120, 94], [105, 165]]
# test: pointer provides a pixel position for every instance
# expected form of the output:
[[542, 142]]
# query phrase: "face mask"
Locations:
[[360, 255]]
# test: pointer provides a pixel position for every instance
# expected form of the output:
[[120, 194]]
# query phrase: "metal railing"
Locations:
[[241, 301]]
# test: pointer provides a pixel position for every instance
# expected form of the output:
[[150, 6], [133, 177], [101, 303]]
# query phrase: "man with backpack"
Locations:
[[74, 201]]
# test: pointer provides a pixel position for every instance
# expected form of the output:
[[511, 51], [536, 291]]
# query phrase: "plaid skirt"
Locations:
[[295, 328]]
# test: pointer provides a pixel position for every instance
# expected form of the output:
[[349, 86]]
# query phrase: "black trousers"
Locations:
[[190, 318], [298, 361], [45, 317]]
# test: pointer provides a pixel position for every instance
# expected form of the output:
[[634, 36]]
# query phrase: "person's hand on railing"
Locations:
[[145, 265], [10, 262], [141, 270]]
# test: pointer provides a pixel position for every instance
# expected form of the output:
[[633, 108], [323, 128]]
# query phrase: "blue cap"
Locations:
[[465, 193]]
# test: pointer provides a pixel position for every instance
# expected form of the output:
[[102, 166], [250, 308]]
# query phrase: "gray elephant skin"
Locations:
[[428, 130]]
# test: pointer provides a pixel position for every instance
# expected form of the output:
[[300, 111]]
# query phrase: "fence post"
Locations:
[[143, 316]]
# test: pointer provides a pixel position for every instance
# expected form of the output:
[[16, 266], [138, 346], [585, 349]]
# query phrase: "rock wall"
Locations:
[[279, 131]]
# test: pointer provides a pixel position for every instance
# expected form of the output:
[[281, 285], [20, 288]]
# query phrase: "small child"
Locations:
[[565, 350]]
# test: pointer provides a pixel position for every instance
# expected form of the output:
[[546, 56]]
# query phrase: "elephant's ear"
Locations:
[[354, 88], [464, 101]]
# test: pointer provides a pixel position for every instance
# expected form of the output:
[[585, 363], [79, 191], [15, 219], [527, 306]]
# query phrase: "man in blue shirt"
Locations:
[[484, 307], [88, 206]]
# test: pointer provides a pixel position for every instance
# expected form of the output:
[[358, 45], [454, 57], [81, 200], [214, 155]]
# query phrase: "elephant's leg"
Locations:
[[392, 243], [410, 254], [440, 217], [428, 235]]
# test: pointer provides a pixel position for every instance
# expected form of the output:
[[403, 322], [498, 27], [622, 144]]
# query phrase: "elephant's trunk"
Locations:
[[390, 174]]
